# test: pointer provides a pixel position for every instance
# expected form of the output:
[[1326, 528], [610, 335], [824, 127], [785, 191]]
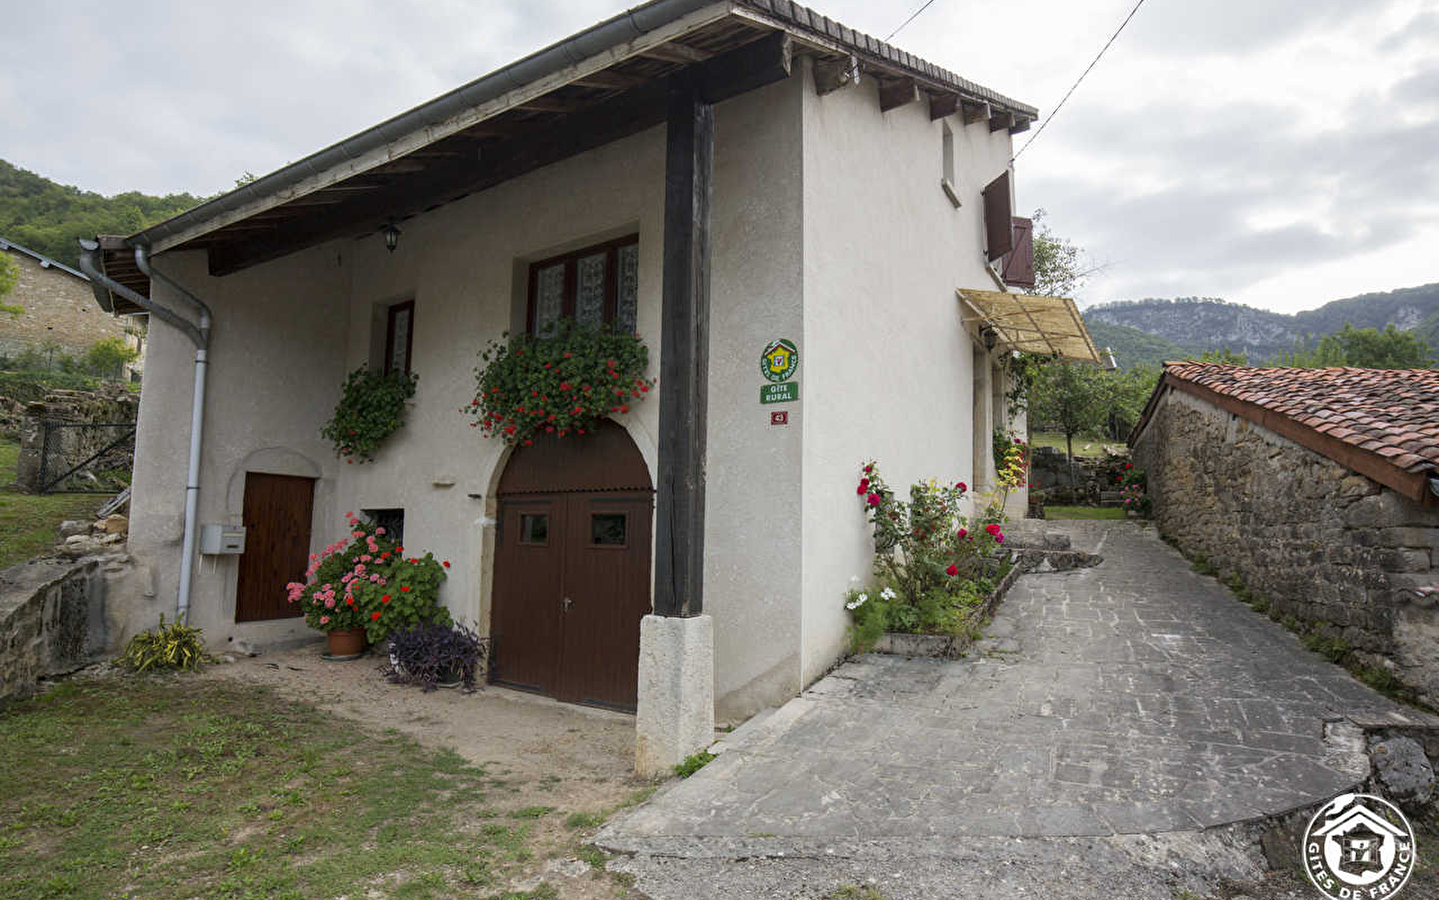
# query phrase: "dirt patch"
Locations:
[[546, 761]]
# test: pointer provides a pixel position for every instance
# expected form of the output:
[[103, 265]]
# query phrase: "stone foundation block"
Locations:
[[675, 714]]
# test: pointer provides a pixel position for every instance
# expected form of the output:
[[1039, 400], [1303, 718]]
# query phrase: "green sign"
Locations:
[[779, 393], [779, 361]]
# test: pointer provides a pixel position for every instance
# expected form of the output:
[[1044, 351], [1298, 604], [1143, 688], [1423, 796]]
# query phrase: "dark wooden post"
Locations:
[[684, 352]]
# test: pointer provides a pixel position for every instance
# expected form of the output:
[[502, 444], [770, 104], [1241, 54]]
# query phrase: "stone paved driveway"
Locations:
[[1136, 697]]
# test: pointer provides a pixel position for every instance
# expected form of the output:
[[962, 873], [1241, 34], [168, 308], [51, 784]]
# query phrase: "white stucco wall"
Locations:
[[286, 333], [829, 227], [887, 360], [276, 361]]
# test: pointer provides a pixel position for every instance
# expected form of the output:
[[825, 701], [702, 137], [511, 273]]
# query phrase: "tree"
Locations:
[[1364, 348], [1224, 355], [106, 358], [1072, 397], [1060, 267]]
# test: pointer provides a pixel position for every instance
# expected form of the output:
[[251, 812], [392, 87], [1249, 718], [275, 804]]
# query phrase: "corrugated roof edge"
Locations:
[[822, 25], [583, 45], [45, 261]]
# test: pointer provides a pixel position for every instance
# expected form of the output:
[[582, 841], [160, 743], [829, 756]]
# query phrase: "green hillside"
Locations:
[[47, 217], [1132, 347]]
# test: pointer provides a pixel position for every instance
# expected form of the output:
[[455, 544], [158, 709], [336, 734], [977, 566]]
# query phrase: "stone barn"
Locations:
[[1317, 488]]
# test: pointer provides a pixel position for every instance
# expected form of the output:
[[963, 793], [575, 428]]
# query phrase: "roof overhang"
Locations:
[[117, 261], [1049, 326], [600, 85]]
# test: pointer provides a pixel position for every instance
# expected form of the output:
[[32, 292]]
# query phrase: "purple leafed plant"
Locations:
[[430, 655]]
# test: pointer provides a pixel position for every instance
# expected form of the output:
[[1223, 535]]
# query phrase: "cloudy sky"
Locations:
[[1279, 153]]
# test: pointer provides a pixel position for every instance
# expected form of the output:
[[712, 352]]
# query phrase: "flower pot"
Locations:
[[344, 642], [451, 677]]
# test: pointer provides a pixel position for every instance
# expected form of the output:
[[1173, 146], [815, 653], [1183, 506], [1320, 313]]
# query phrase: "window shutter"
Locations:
[[998, 231], [1018, 264]]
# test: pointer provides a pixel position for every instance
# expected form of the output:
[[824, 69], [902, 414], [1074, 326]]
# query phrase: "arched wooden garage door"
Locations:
[[572, 568]]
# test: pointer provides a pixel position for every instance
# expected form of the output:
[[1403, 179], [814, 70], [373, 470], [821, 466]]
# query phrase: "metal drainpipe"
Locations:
[[197, 427], [199, 335]]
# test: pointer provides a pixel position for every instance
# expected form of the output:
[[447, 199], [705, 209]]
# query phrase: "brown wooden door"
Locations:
[[606, 593], [277, 544], [572, 568], [529, 589]]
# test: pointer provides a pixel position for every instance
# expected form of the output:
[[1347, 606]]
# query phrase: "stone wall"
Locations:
[[1320, 543], [69, 447], [52, 619], [59, 307]]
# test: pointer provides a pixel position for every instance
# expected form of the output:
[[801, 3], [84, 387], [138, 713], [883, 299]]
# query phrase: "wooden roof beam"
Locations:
[[549, 103], [941, 105], [834, 73], [609, 79], [1001, 121], [974, 111], [745, 68], [675, 52], [897, 93], [1022, 123]]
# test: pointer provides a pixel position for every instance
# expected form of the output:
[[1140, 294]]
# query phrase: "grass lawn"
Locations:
[[174, 787], [1090, 446], [29, 523], [1084, 512]]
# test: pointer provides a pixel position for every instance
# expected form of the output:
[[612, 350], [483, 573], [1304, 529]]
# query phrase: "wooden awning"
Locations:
[[1030, 324]]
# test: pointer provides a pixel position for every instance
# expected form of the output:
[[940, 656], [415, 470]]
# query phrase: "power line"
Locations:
[[914, 15], [1060, 106]]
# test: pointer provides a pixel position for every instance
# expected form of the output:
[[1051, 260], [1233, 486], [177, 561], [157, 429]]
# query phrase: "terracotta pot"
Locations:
[[346, 641]]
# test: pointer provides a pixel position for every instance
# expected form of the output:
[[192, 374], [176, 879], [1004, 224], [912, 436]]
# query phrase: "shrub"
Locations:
[[562, 382], [371, 408], [933, 564], [173, 646], [1133, 490], [367, 582], [429, 655], [693, 763]]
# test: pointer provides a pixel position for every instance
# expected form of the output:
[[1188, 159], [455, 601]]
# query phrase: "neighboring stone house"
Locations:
[[59, 309], [732, 175], [1319, 488]]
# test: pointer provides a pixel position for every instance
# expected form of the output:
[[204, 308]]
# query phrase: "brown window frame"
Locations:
[[612, 278], [390, 315]]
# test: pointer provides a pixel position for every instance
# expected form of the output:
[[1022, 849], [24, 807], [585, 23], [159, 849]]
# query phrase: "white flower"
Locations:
[[888, 593], [853, 604]]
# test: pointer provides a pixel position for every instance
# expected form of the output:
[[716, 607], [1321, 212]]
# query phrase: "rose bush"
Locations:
[[367, 582], [933, 565], [561, 383]]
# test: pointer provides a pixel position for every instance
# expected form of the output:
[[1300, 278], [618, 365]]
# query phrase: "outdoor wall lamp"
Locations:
[[990, 337], [392, 235]]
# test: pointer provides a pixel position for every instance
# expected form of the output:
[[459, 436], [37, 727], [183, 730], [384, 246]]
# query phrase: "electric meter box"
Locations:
[[222, 539]]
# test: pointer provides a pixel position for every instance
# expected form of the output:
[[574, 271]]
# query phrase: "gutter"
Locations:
[[92, 265]]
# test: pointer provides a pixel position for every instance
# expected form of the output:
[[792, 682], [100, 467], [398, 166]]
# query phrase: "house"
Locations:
[[1317, 488], [724, 178], [56, 311]]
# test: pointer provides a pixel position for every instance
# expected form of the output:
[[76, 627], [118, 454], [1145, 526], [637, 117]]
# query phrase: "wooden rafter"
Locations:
[[941, 105], [897, 93]]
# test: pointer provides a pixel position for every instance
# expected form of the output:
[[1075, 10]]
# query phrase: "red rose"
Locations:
[[962, 487], [624, 407], [385, 599], [446, 563], [374, 616], [874, 499], [868, 470], [952, 571], [962, 533], [863, 486], [405, 588], [992, 528]]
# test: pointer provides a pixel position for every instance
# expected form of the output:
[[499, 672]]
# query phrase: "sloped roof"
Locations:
[[604, 82], [1383, 423], [1050, 326], [45, 261]]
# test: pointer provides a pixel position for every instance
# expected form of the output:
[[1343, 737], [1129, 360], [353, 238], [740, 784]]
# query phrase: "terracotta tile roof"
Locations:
[[1392, 413]]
